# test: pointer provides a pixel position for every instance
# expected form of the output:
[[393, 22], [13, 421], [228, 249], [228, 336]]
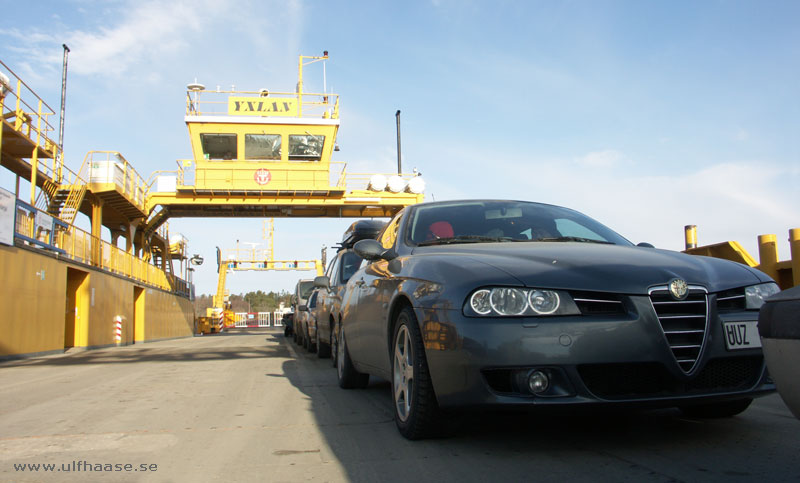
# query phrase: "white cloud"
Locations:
[[602, 159], [147, 28], [727, 201]]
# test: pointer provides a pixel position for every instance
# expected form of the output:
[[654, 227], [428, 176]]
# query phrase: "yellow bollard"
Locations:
[[690, 235], [768, 255], [794, 244]]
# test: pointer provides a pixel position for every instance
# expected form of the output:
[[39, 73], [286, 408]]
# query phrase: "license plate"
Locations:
[[741, 335]]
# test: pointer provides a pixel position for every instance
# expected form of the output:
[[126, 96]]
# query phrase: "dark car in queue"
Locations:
[[332, 284], [492, 303], [287, 320], [302, 291], [307, 315]]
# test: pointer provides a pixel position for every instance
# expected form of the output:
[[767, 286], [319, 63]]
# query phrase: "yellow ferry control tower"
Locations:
[[268, 154]]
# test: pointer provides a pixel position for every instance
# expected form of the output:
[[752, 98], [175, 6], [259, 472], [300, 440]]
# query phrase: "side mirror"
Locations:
[[372, 250], [322, 282], [645, 245]]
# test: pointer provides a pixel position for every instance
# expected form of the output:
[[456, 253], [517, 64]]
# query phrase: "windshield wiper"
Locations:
[[573, 238], [466, 239]]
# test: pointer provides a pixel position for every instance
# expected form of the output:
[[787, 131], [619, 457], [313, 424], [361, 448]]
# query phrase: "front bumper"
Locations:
[[607, 360]]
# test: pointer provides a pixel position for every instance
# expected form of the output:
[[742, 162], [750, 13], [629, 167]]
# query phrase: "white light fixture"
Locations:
[[396, 184], [416, 185], [377, 182]]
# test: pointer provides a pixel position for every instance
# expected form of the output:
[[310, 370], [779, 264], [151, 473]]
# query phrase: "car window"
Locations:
[[312, 301], [492, 221], [305, 288], [570, 228], [350, 265]]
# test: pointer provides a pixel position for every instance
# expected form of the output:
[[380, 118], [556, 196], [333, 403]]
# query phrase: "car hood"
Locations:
[[601, 267]]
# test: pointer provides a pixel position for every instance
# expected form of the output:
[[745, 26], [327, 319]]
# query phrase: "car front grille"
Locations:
[[731, 300], [684, 323], [651, 379], [598, 303]]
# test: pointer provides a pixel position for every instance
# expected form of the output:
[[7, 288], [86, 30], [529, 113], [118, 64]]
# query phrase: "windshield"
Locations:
[[504, 221], [305, 288]]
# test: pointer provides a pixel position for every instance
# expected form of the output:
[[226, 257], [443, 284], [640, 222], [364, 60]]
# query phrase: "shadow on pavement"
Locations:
[[563, 445], [187, 349]]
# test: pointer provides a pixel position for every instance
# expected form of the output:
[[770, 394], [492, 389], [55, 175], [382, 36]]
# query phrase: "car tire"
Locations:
[[349, 377], [725, 409], [334, 346], [286, 331], [311, 346], [416, 410], [323, 349]]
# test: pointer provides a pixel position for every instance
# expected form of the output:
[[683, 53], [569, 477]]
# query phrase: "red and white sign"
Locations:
[[262, 176]]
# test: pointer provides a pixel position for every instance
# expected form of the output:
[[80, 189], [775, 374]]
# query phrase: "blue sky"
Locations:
[[645, 115]]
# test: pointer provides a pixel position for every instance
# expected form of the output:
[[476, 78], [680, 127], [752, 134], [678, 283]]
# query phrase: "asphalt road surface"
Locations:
[[252, 406]]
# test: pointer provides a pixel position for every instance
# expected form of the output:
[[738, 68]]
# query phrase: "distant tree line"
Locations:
[[249, 302]]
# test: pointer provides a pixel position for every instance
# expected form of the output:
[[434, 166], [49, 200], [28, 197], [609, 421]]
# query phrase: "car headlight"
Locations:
[[511, 301], [755, 295]]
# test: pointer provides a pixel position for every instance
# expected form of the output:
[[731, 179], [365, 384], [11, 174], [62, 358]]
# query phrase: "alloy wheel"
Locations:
[[403, 373]]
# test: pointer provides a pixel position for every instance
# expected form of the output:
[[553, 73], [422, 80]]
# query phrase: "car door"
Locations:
[[373, 289], [326, 296]]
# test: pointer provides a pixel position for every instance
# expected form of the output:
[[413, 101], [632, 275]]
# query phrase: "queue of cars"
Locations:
[[495, 303], [323, 312]]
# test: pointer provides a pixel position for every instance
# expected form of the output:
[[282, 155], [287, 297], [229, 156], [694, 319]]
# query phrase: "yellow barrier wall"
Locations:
[[32, 302], [34, 307], [167, 316], [109, 297]]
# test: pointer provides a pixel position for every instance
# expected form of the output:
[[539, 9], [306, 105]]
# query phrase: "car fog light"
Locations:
[[538, 382]]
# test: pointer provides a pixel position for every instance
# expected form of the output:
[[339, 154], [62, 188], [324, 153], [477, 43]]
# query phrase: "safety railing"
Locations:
[[301, 177], [202, 102], [28, 115], [38, 229], [362, 181], [110, 167], [245, 254]]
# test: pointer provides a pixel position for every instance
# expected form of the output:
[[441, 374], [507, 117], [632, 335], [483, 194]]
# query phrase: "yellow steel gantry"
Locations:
[[253, 259]]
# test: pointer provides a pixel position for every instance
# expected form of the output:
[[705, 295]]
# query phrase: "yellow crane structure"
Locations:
[[248, 259]]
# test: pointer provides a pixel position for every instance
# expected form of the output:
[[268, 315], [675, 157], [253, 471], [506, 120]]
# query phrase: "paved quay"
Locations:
[[251, 406]]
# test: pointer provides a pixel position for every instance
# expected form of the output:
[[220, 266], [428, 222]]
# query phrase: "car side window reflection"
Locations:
[[350, 265], [389, 235]]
